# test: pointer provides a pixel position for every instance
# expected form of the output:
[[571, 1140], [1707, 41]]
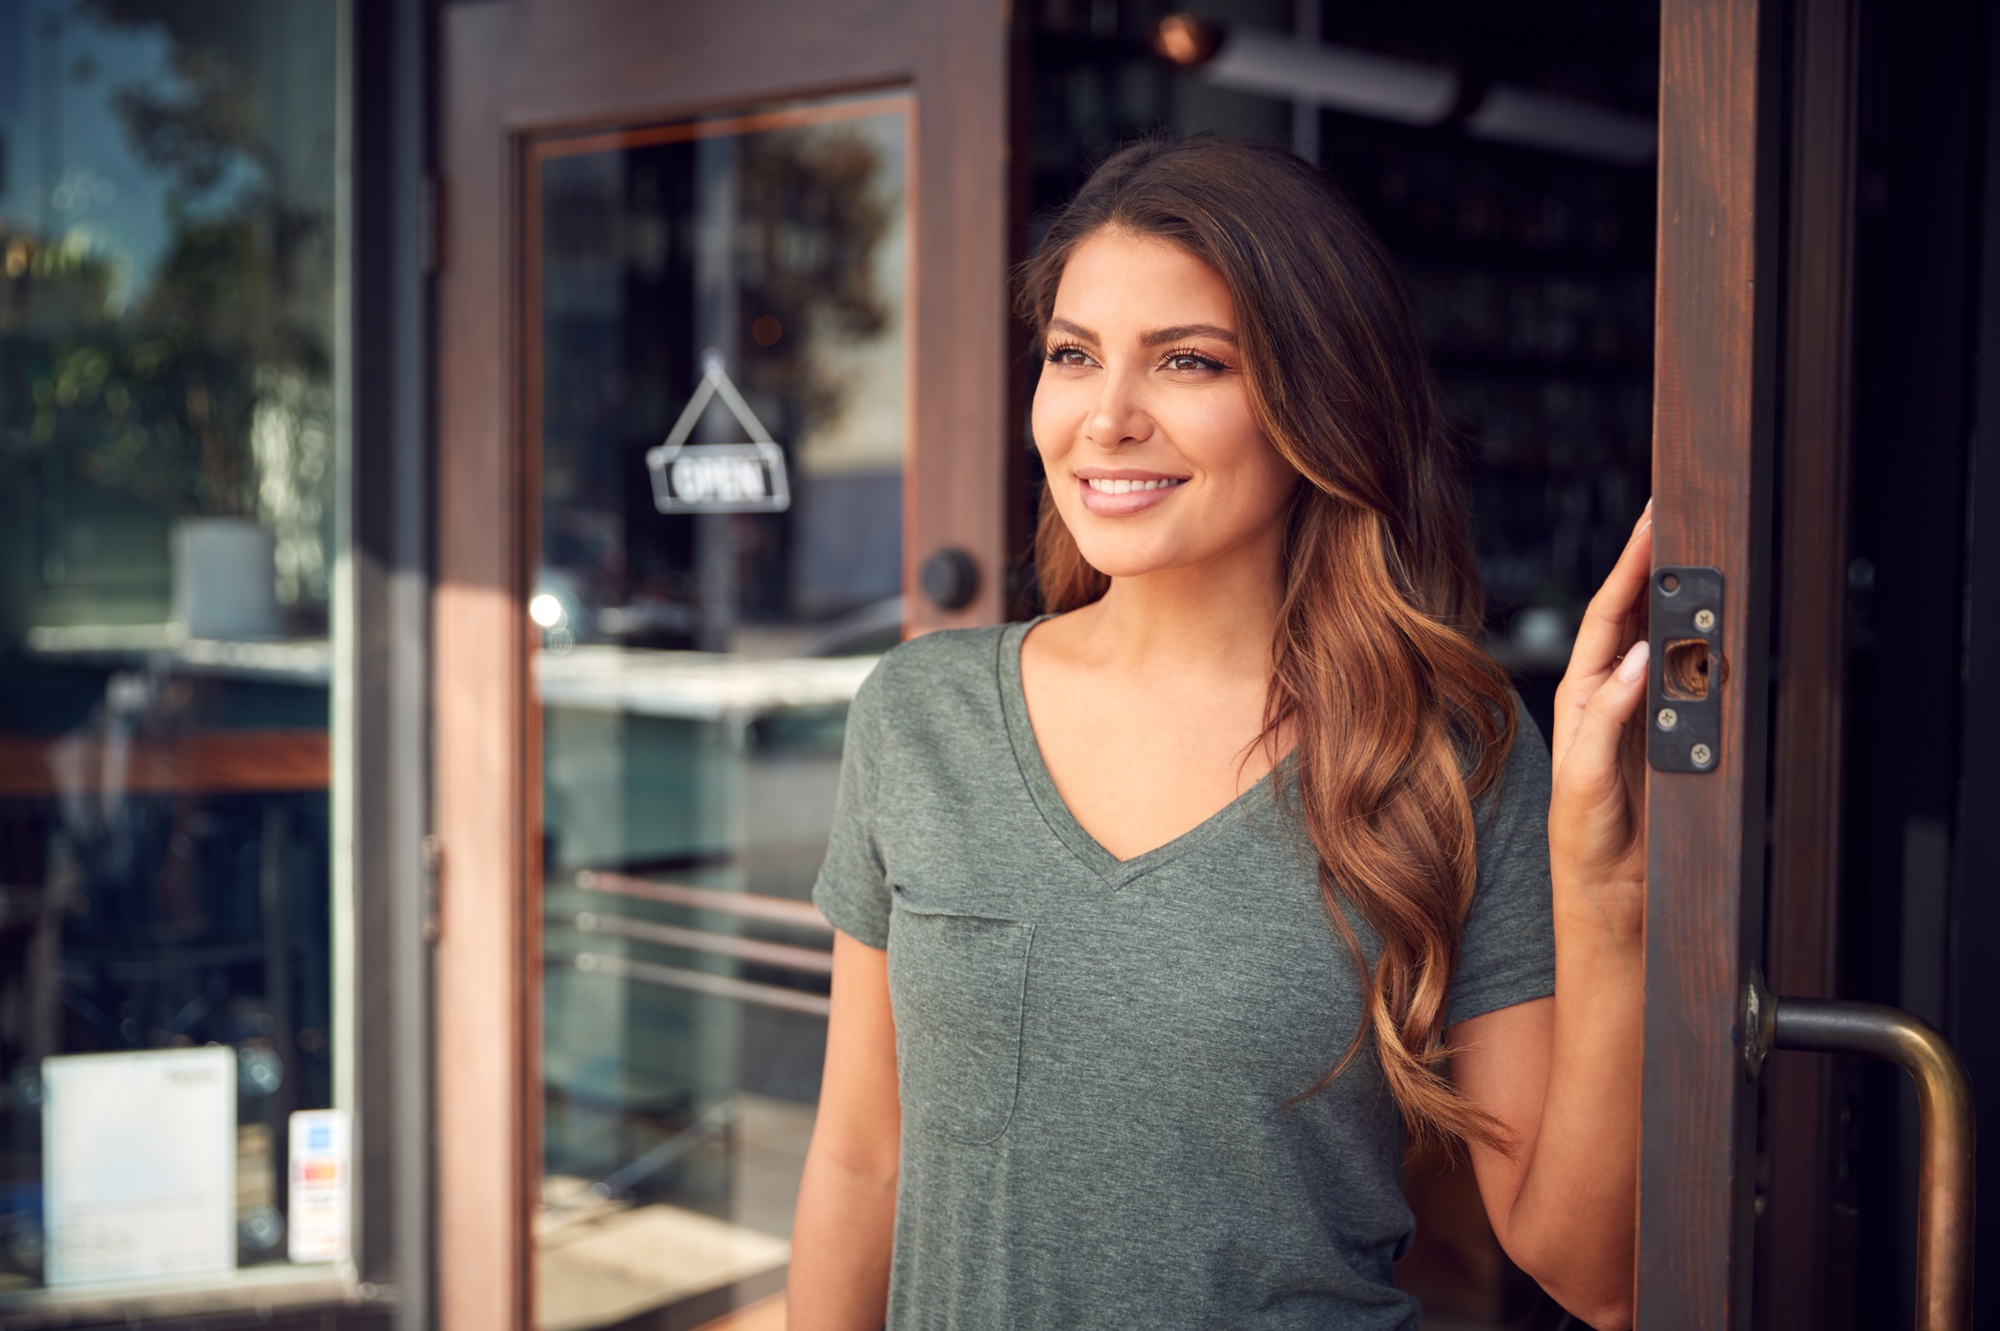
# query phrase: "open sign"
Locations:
[[718, 478], [734, 476]]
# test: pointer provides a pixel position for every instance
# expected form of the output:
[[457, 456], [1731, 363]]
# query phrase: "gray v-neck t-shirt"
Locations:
[[1101, 1061]]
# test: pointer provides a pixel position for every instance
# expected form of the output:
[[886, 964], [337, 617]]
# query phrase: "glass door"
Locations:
[[716, 413], [715, 378]]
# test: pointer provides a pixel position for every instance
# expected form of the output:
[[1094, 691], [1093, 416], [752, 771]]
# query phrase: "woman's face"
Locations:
[[1143, 417]]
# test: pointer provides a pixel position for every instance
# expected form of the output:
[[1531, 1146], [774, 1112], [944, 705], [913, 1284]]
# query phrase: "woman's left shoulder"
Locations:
[[1520, 792], [940, 659], [946, 680]]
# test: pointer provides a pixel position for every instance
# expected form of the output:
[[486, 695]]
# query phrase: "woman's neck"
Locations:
[[1215, 619]]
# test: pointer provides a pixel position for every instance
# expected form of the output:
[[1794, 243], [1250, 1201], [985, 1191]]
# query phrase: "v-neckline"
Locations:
[[1056, 811]]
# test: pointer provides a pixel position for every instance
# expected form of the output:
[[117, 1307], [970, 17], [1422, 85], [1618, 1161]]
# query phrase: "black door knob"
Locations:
[[949, 578]]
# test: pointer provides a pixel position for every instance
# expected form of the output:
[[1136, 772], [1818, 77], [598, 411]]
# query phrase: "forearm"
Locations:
[[842, 1234], [1572, 1222]]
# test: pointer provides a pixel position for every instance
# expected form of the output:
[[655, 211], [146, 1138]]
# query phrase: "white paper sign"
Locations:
[[320, 1170], [139, 1164]]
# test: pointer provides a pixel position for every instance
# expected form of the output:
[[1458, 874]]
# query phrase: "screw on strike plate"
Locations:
[[1682, 722]]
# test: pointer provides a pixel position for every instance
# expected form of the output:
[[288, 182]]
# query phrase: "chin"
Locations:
[[1120, 559]]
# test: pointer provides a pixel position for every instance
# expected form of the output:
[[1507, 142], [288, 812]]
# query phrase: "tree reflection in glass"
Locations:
[[167, 461]]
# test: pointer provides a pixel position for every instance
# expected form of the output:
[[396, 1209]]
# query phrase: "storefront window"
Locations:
[[170, 1035], [720, 396]]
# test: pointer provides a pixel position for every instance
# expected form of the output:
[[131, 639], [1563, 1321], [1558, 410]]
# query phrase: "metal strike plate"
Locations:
[[1687, 670]]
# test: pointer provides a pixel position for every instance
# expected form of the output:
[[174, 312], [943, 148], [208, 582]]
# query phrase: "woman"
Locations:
[[1162, 920]]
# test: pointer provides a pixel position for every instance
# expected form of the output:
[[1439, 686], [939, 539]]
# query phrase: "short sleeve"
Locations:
[[852, 890], [1507, 952]]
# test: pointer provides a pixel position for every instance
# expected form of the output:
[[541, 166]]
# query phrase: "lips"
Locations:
[[1117, 494]]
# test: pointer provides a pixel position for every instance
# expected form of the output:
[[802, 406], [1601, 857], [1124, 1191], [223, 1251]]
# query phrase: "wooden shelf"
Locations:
[[207, 762]]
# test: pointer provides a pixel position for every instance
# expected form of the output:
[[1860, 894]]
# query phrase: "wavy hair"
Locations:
[[1400, 719]]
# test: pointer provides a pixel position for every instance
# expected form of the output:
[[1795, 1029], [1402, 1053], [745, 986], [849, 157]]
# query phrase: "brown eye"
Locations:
[[1189, 362]]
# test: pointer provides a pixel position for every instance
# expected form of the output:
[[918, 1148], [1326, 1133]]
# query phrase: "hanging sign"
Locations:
[[718, 478]]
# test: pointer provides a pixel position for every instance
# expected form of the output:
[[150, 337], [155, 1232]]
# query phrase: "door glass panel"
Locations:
[[716, 375]]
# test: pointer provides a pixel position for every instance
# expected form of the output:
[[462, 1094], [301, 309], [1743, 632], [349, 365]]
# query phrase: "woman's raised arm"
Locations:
[[846, 1218], [1563, 1073]]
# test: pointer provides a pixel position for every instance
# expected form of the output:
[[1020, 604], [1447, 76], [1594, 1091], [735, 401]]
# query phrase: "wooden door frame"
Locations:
[[1712, 451], [514, 68], [1750, 417]]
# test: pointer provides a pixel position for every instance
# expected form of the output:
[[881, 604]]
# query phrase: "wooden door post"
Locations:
[[1711, 508]]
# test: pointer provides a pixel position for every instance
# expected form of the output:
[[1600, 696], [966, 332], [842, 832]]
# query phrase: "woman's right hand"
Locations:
[[1597, 801]]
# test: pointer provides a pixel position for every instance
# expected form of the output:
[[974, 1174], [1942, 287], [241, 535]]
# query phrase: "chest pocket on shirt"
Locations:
[[958, 984]]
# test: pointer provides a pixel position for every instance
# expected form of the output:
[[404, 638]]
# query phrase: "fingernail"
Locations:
[[1634, 664]]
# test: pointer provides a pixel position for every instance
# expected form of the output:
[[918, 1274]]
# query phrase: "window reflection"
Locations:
[[167, 445], [722, 407], [781, 250]]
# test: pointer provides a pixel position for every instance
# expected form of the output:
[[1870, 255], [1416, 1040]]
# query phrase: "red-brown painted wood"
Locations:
[[956, 481], [204, 762], [1711, 503], [483, 975]]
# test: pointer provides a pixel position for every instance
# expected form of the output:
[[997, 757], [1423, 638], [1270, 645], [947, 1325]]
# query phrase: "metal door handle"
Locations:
[[1944, 1111]]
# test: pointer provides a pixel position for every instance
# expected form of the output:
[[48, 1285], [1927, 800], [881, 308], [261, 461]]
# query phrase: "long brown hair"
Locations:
[[1400, 719]]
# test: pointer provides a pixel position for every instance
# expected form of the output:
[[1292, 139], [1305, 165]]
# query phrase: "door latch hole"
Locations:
[[1687, 669]]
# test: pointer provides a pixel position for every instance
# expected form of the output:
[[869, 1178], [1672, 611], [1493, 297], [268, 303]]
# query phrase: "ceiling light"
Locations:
[[1387, 88]]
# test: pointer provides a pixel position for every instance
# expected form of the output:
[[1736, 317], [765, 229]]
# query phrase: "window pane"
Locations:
[[167, 454], [720, 372]]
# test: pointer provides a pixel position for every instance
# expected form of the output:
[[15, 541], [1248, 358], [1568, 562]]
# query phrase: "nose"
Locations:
[[1119, 416]]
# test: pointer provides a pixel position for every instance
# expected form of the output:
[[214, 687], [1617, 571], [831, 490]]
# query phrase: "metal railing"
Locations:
[[798, 915]]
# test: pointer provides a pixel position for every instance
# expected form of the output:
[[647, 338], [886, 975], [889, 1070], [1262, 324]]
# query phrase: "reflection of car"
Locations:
[[649, 618], [694, 686], [869, 631]]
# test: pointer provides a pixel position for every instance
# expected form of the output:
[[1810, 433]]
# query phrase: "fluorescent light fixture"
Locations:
[[1386, 88], [1276, 65], [1562, 124]]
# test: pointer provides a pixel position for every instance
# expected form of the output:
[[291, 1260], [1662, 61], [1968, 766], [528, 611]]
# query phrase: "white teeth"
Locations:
[[1111, 487]]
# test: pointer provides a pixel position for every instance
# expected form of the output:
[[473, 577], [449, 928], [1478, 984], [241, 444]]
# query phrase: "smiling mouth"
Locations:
[[1105, 486]]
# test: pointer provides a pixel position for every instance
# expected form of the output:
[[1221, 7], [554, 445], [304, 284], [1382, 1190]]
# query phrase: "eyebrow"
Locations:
[[1159, 337]]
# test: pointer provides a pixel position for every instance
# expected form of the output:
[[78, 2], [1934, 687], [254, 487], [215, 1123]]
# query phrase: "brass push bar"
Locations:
[[1944, 1107]]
